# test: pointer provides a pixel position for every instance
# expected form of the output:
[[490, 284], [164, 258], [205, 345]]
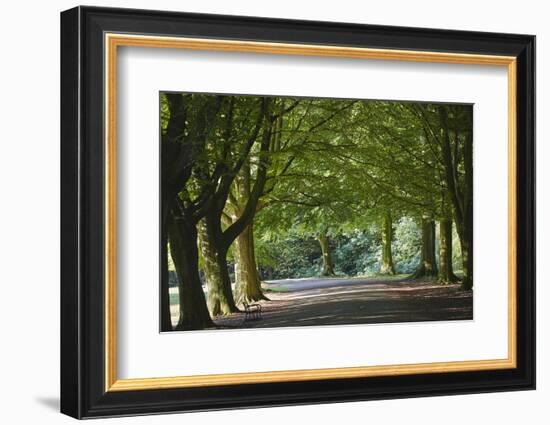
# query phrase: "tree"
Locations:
[[305, 186], [448, 129], [328, 267], [184, 123], [211, 139], [446, 274], [386, 266], [428, 265], [437, 165], [457, 154], [214, 239], [193, 311], [248, 283], [401, 165], [247, 280]]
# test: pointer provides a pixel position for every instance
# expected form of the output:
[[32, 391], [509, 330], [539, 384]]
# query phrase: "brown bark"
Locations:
[[220, 299], [446, 274], [386, 263], [183, 241], [461, 198], [468, 232], [248, 284], [181, 144], [165, 315], [466, 247], [427, 267], [328, 267], [215, 241]]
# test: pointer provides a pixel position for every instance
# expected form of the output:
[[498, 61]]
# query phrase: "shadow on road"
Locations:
[[335, 301]]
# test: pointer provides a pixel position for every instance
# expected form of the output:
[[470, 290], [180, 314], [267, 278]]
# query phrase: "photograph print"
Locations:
[[290, 211]]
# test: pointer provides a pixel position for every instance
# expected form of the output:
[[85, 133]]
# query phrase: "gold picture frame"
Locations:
[[114, 41]]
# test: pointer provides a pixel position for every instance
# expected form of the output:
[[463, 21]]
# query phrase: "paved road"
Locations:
[[335, 301]]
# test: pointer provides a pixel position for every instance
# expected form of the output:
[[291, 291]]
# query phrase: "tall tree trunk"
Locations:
[[167, 196], [461, 198], [214, 254], [386, 264], [468, 243], [249, 286], [165, 315], [446, 274], [466, 247], [183, 241], [181, 145], [328, 268], [427, 267], [464, 230], [215, 242]]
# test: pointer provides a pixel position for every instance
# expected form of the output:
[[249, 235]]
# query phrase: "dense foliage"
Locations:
[[355, 253]]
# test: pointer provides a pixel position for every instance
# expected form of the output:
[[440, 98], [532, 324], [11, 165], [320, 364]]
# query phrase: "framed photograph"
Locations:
[[261, 212]]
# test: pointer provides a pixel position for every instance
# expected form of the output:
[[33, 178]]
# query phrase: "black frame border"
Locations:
[[82, 211]]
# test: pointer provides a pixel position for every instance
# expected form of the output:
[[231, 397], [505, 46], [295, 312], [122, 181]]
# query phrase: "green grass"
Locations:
[[382, 277], [279, 289]]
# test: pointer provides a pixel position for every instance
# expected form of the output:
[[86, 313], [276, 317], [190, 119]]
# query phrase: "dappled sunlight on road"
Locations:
[[307, 302]]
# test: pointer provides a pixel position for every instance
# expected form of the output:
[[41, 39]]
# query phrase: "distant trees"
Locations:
[[421, 155], [233, 166]]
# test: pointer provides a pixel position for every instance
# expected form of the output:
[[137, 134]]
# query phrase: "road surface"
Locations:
[[338, 301]]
